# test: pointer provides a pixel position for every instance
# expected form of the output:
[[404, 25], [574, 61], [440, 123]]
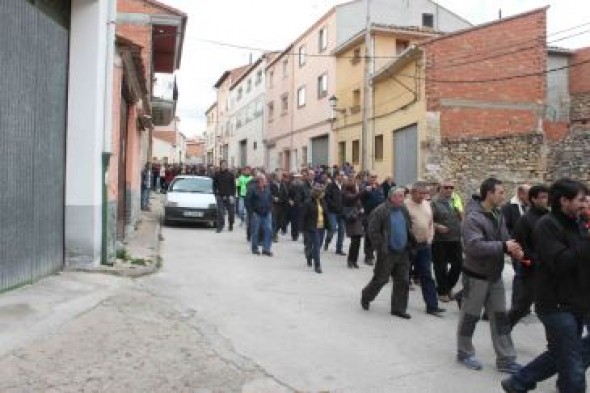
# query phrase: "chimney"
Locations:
[[500, 13], [250, 58]]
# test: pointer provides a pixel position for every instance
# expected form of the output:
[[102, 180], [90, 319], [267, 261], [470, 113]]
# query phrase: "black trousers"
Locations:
[[223, 203], [294, 219], [281, 218], [522, 300], [447, 258], [397, 266], [353, 249], [368, 246]]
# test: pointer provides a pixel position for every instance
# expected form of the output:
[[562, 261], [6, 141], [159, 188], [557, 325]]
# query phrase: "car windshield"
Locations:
[[192, 184]]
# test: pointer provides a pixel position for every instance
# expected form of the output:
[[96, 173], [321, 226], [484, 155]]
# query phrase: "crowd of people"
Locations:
[[410, 232]]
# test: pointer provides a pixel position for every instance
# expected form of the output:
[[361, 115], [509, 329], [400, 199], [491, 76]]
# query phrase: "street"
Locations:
[[219, 319]]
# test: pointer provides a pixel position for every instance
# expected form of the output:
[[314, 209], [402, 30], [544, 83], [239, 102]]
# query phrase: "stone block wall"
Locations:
[[512, 159], [570, 157], [580, 107]]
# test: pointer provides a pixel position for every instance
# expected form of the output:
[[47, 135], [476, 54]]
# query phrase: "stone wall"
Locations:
[[580, 107], [512, 159], [570, 157]]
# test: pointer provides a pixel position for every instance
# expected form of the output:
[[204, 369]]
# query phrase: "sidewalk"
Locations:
[[30, 312]]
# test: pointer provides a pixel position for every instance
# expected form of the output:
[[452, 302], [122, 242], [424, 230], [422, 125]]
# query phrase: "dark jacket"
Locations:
[[224, 184], [297, 193], [562, 280], [371, 199], [444, 213], [333, 198], [352, 200], [523, 234], [511, 212], [484, 236], [284, 193], [259, 201], [380, 228], [275, 192], [310, 216]]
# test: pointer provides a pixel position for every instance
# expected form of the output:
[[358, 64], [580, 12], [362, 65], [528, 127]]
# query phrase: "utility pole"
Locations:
[[366, 164]]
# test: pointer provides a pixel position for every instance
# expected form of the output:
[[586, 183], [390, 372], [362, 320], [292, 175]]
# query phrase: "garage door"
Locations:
[[320, 150], [33, 60], [405, 147]]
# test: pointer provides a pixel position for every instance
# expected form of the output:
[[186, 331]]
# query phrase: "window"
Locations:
[[249, 85], [284, 103], [271, 110], [302, 56], [341, 153], [285, 68], [304, 155], [258, 77], [322, 86], [379, 147], [401, 45], [301, 97], [255, 146], [280, 160], [356, 56], [239, 94], [427, 20], [271, 77], [355, 152], [356, 101], [323, 39]]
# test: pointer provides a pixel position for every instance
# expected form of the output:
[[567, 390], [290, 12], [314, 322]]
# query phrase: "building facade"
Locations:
[[211, 134], [245, 117]]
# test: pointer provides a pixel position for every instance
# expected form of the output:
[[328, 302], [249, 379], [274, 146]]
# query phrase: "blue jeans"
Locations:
[[264, 221], [145, 198], [423, 265], [317, 238], [336, 223], [568, 355], [241, 209]]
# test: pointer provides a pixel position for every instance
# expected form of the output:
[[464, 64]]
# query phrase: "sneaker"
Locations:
[[435, 311], [231, 227], [444, 298], [369, 261], [255, 252], [340, 253], [509, 368], [401, 314], [470, 361], [508, 386], [267, 253]]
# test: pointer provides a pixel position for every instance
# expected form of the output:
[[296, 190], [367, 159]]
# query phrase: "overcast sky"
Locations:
[[273, 24]]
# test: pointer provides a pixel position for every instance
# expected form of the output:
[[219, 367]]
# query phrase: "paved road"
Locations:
[[308, 331]]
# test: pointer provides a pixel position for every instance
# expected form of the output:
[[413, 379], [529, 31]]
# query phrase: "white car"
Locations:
[[190, 199]]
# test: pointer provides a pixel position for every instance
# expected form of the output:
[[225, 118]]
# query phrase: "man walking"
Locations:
[[446, 248], [562, 293], [512, 211], [390, 232], [485, 241], [224, 188], [523, 234], [333, 200], [259, 202], [243, 180], [371, 197], [423, 231]]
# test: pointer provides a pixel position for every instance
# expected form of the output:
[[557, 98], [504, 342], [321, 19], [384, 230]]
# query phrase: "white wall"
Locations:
[[89, 75], [161, 149], [351, 17], [249, 111]]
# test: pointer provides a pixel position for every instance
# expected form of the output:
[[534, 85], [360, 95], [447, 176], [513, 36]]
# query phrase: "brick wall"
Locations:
[[580, 86], [506, 107], [570, 157]]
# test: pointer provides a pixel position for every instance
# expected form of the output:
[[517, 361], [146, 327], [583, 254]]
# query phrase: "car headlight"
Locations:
[[212, 206], [171, 204]]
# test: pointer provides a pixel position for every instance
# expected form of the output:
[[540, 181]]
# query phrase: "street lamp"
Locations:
[[334, 105]]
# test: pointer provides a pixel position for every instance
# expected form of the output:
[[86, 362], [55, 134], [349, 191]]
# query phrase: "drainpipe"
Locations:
[[107, 122]]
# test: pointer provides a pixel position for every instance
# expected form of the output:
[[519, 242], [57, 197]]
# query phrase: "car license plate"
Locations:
[[193, 214]]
